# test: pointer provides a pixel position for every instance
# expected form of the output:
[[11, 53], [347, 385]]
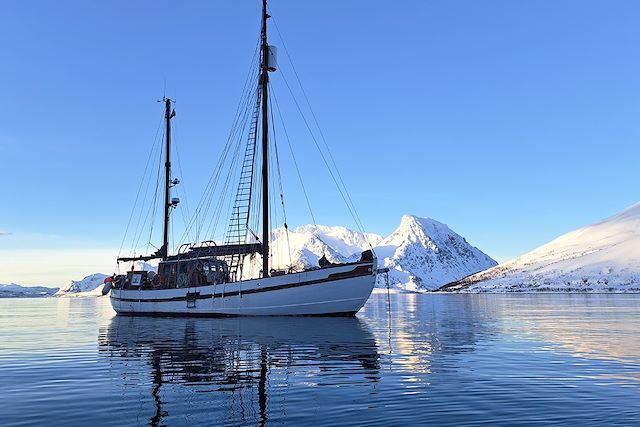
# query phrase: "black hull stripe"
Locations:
[[221, 315], [360, 271]]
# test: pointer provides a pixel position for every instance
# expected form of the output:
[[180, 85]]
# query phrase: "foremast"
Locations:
[[163, 252], [168, 114]]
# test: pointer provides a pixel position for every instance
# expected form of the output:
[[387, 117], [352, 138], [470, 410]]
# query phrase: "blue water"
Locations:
[[437, 359]]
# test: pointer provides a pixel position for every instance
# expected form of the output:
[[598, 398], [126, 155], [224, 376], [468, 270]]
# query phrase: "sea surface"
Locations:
[[537, 359]]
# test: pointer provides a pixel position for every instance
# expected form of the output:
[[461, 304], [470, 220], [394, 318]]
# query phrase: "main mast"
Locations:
[[264, 83]]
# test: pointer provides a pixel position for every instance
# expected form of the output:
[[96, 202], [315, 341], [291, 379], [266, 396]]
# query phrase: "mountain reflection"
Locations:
[[240, 367], [580, 323], [426, 333]]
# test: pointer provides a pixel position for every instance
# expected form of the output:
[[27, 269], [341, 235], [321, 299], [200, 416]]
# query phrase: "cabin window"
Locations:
[[164, 269], [183, 267], [172, 270]]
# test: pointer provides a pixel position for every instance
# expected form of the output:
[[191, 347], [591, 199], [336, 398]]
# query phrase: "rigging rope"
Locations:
[[205, 225], [235, 138], [304, 191], [185, 213], [139, 229], [295, 161], [155, 200], [150, 211], [201, 212], [386, 278], [142, 180], [324, 159], [339, 181], [284, 211]]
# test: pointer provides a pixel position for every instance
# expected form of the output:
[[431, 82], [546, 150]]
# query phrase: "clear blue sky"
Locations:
[[511, 121]]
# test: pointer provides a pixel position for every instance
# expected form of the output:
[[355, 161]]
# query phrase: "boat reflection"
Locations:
[[235, 363]]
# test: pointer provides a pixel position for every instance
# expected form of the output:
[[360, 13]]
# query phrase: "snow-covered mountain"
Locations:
[[424, 254], [604, 256], [89, 283], [93, 283], [302, 247], [308, 243], [421, 254], [16, 291]]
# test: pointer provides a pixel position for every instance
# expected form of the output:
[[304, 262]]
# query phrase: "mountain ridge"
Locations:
[[599, 257], [13, 290], [446, 255]]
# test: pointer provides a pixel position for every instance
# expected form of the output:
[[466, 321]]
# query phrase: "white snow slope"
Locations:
[[92, 284], [89, 284], [302, 247], [602, 257], [424, 254], [309, 242]]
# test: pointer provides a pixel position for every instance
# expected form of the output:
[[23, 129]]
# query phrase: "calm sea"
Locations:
[[435, 360]]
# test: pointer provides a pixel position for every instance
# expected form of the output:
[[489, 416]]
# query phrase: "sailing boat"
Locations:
[[207, 279]]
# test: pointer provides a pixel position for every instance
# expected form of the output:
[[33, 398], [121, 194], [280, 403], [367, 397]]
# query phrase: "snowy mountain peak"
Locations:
[[341, 239], [421, 230], [409, 220], [423, 253]]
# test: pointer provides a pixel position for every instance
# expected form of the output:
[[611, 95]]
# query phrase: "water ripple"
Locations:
[[436, 359]]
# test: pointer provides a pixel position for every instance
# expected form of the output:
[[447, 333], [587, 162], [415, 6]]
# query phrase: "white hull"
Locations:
[[335, 290]]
